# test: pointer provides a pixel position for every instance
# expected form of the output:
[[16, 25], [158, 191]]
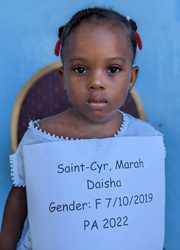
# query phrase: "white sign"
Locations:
[[96, 194]]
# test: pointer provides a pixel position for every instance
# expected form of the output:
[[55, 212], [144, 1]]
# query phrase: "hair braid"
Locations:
[[108, 15]]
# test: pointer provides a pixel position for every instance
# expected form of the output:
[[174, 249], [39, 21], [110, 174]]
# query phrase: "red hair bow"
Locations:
[[57, 48], [139, 41]]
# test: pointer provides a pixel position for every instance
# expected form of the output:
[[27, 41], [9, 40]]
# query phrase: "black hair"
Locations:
[[105, 14]]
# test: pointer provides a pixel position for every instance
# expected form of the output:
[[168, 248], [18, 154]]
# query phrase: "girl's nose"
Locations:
[[96, 82]]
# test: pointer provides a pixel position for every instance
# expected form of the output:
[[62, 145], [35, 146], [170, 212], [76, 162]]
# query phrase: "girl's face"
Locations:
[[97, 71]]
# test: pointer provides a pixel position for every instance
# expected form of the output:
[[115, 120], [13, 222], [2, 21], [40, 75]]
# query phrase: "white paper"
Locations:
[[96, 194]]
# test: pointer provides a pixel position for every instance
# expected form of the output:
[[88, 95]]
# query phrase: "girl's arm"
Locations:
[[15, 213]]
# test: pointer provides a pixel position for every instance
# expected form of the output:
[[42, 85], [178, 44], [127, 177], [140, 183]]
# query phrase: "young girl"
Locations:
[[98, 48]]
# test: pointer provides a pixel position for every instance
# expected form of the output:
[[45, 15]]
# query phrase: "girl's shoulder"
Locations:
[[52, 128], [137, 127], [51, 125], [57, 125], [33, 135]]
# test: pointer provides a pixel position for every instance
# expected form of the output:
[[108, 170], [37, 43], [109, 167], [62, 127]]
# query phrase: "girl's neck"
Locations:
[[72, 125], [81, 127]]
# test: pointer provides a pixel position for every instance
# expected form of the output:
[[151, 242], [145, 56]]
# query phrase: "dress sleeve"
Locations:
[[17, 171], [17, 165], [33, 135]]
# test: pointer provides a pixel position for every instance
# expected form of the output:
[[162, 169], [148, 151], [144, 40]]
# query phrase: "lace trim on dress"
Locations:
[[16, 179], [25, 243], [28, 241], [35, 126], [124, 122]]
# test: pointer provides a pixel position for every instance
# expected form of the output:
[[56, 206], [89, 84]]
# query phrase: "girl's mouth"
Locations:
[[97, 103]]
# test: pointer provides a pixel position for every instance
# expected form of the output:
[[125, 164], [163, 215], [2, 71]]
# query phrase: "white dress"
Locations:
[[130, 127]]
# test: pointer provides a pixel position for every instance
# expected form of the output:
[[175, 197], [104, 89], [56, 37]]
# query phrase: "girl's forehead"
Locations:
[[87, 33], [97, 38], [96, 26]]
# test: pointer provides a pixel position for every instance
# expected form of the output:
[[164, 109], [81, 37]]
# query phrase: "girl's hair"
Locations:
[[102, 14]]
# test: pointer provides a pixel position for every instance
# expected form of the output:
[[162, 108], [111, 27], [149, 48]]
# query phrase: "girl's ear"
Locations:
[[61, 74], [134, 74]]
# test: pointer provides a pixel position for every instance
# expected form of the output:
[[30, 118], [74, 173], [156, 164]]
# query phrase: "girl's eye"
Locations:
[[113, 69], [80, 70]]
